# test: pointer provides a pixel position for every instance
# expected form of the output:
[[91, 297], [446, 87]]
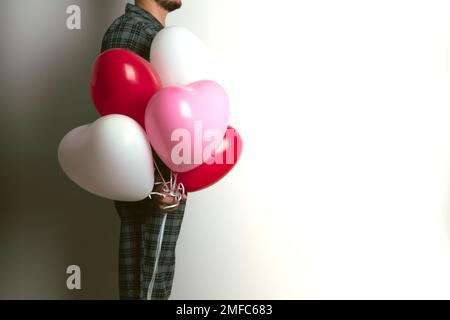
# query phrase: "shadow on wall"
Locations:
[[47, 223]]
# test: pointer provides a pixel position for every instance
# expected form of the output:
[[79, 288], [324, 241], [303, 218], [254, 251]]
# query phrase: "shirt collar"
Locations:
[[143, 13]]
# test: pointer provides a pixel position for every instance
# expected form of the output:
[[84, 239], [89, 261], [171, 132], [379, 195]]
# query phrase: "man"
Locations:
[[141, 274]]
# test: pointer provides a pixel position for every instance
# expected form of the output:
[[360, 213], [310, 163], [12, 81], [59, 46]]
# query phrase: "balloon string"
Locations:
[[159, 171], [157, 255], [169, 188]]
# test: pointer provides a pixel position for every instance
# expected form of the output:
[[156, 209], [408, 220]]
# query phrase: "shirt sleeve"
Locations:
[[133, 36]]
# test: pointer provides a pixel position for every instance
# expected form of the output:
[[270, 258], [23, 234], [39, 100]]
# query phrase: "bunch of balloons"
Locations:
[[173, 105]]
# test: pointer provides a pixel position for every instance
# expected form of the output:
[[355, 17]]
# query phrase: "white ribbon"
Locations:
[[170, 188], [177, 191]]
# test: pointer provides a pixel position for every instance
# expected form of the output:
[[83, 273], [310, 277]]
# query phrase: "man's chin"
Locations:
[[169, 5]]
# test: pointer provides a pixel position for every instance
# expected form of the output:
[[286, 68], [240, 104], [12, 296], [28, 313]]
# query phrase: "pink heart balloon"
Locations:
[[183, 123]]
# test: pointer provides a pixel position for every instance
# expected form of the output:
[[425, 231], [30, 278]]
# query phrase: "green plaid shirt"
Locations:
[[141, 221]]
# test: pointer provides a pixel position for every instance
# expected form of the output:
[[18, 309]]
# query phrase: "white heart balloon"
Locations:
[[110, 157], [181, 58]]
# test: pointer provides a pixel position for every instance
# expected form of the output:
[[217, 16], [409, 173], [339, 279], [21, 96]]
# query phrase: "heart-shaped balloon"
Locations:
[[183, 123], [224, 159], [110, 157], [122, 83], [181, 58]]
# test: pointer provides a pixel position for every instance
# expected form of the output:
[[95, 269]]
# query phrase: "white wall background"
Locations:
[[343, 187]]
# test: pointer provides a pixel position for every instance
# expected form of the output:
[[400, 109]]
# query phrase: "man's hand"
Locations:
[[162, 202]]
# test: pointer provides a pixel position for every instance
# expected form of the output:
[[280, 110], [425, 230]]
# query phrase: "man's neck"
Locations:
[[154, 9]]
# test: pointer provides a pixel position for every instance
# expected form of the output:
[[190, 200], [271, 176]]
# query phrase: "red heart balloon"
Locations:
[[224, 159], [123, 83]]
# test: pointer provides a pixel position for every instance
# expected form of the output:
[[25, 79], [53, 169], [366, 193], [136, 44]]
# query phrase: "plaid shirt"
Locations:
[[141, 222]]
